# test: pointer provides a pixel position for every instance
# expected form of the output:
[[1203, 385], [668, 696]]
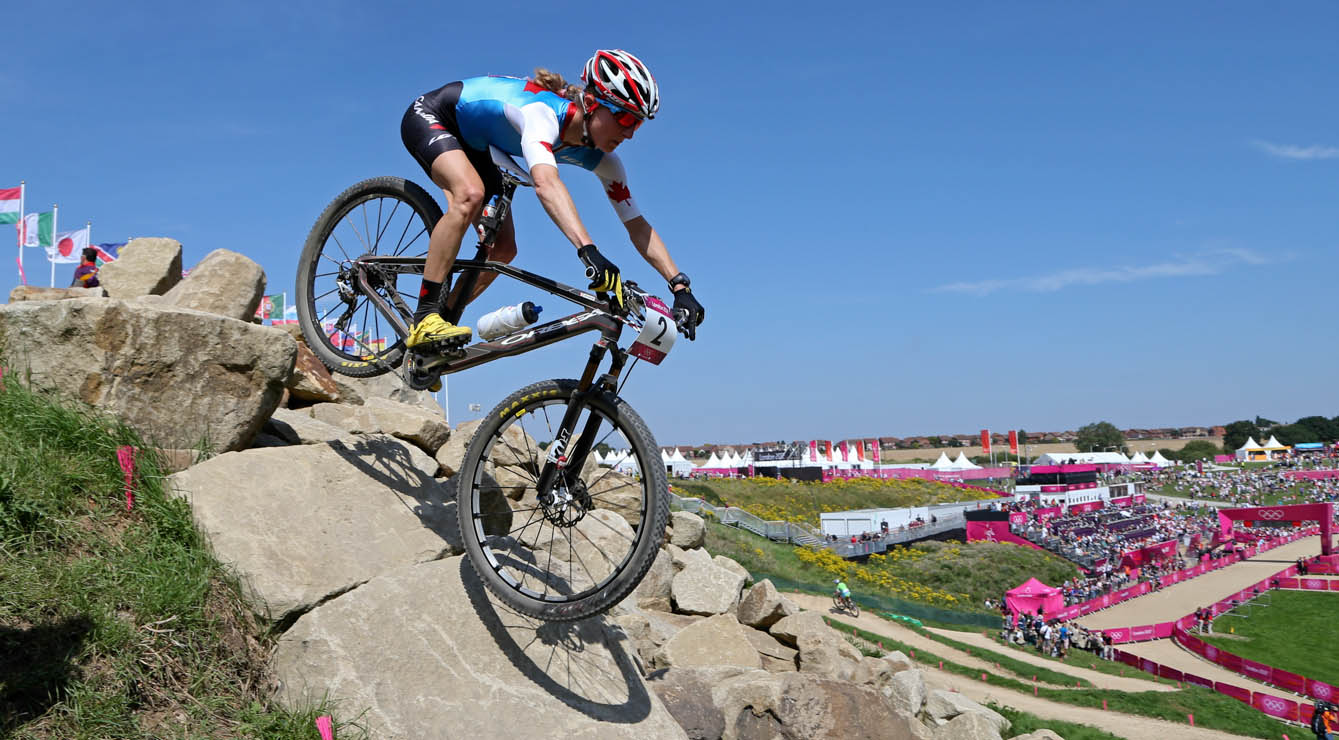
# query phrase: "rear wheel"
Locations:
[[854, 607], [386, 216], [585, 547]]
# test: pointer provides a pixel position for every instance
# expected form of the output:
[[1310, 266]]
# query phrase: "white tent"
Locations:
[[1159, 459], [627, 465], [943, 463], [1139, 459], [713, 462], [735, 460], [962, 463], [1252, 451], [677, 464], [1273, 444]]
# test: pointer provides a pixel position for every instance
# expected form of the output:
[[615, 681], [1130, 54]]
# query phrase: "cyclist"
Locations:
[[546, 121], [843, 590]]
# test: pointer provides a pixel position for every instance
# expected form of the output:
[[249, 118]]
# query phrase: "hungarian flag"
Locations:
[[69, 246], [9, 205], [37, 230]]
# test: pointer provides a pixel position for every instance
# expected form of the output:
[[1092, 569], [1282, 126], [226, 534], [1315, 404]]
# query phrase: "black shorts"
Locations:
[[429, 128]]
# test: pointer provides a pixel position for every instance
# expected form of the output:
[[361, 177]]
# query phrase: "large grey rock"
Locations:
[[763, 606], [689, 531], [684, 558], [224, 282], [647, 631], [145, 266], [899, 661], [704, 588], [454, 664], [762, 706], [301, 524], [776, 657], [655, 589], [383, 416], [450, 455], [731, 565], [789, 629], [180, 378], [872, 672], [686, 693], [968, 726], [1042, 734], [42, 293], [827, 654], [311, 380], [945, 705], [387, 385], [299, 428], [718, 640], [907, 691]]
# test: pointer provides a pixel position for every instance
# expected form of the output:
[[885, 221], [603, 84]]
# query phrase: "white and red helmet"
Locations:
[[621, 79]]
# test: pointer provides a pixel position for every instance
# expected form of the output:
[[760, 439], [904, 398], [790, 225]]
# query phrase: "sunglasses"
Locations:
[[626, 119]]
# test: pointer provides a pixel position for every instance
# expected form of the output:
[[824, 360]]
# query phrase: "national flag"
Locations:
[[109, 251], [10, 200], [985, 441], [69, 246], [271, 306], [37, 230]]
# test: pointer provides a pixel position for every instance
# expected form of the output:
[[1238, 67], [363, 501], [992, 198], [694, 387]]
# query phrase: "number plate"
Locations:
[[658, 335]]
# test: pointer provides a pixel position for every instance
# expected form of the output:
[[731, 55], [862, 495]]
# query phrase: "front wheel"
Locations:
[[854, 607], [584, 548], [383, 216]]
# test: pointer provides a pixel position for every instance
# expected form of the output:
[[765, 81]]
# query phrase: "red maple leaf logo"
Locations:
[[618, 192], [547, 145]]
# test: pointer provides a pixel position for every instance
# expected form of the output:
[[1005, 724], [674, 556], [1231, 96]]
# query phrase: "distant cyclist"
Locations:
[[545, 121], [842, 590]]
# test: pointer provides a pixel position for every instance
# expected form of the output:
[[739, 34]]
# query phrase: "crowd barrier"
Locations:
[[1311, 474], [1179, 632]]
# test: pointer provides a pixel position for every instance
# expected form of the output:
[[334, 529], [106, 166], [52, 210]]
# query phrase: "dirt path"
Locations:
[[880, 626], [1183, 598]]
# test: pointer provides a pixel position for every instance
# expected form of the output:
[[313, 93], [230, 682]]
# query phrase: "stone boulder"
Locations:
[[656, 589], [1042, 734], [789, 629], [899, 661], [302, 524], [299, 428], [452, 454], [647, 631], [689, 531], [775, 656], [734, 567], [686, 693], [872, 672], [424, 652], [224, 282], [40, 293], [801, 705], [384, 416], [145, 266], [684, 558], [387, 385], [941, 706], [907, 691], [180, 378], [968, 726], [718, 640], [704, 588], [827, 654], [311, 380], [763, 606]]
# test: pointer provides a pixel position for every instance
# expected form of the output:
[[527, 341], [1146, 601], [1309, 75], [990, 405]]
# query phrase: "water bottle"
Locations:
[[508, 319]]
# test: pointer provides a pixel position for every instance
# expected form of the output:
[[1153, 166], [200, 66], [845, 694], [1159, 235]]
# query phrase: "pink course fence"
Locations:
[[1179, 632], [1312, 474]]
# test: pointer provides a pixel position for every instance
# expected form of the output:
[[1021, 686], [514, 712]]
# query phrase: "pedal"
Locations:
[[453, 348]]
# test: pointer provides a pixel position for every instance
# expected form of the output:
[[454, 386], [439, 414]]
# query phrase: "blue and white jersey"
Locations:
[[526, 120]]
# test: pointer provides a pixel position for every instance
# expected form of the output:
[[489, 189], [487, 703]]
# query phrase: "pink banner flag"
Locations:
[[126, 456]]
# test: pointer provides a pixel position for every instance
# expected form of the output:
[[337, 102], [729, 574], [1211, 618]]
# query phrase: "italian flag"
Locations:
[[9, 205]]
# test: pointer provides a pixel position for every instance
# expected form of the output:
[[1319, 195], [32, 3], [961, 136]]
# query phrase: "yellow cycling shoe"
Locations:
[[433, 328]]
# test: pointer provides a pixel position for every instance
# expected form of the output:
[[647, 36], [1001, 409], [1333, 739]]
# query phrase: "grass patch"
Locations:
[[116, 624], [1293, 633], [1210, 709], [944, 575], [1084, 659], [802, 502]]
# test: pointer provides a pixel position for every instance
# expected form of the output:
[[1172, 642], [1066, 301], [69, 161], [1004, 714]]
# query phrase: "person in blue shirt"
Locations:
[[545, 121]]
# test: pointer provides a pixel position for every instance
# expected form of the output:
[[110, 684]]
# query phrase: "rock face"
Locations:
[[298, 428], [946, 705], [789, 629], [224, 282], [311, 380], [798, 705], [718, 640], [39, 293], [705, 588], [655, 590], [686, 693], [387, 385], [178, 377], [147, 266], [305, 523], [689, 530], [455, 665], [383, 416], [763, 606]]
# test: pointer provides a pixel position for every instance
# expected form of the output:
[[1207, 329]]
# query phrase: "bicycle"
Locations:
[[845, 603], [528, 467]]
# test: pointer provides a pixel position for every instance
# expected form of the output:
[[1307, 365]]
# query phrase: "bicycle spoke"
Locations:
[[605, 524]]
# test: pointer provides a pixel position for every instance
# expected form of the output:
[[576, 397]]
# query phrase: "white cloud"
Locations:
[[1288, 151], [1211, 262]]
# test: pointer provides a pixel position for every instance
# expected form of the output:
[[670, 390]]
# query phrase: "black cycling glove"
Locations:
[[602, 273], [693, 311]]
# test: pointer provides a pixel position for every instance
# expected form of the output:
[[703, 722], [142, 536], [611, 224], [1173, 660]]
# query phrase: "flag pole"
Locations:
[[19, 229], [55, 229]]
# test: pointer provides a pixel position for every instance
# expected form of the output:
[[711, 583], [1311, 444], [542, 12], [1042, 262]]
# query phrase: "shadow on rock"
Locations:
[[390, 463], [36, 667], [554, 656]]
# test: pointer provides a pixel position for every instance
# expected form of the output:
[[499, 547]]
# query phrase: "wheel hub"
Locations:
[[567, 504]]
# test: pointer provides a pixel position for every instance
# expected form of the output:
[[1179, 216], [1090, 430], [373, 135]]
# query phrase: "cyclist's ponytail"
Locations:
[[555, 82]]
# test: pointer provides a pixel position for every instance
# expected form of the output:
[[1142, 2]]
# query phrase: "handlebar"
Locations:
[[635, 299]]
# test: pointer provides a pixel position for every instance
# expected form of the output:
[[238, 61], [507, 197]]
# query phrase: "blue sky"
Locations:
[[902, 219]]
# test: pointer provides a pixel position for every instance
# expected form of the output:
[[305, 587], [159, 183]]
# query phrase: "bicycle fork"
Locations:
[[566, 457]]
